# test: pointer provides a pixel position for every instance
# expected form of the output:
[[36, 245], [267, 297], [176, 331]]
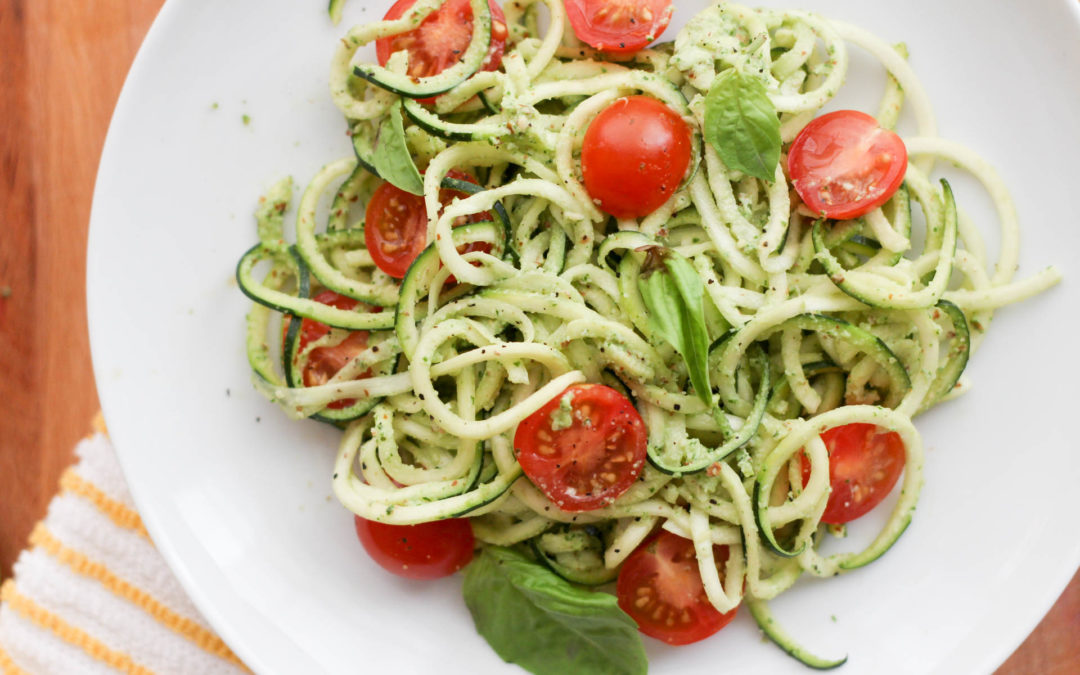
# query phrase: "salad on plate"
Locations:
[[626, 329]]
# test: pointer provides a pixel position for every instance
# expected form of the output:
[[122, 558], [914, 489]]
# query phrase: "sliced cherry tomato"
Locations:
[[844, 164], [618, 25], [584, 448], [865, 462], [440, 40], [660, 587], [395, 229], [324, 362], [634, 156], [425, 551], [395, 225], [312, 330]]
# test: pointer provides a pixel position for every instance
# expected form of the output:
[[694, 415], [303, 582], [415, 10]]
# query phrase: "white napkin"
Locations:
[[93, 595]]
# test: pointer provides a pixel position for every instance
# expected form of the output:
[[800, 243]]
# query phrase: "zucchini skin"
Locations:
[[297, 306], [451, 131], [759, 609], [363, 143], [334, 10], [737, 440], [866, 341], [405, 316], [486, 493], [293, 378], [289, 350], [426, 87], [958, 354], [598, 578], [471, 189]]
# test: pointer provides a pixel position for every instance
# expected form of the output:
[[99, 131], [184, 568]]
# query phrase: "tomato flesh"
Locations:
[[865, 462], [395, 229], [660, 587], [844, 165], [324, 362], [634, 155], [424, 551], [616, 26], [312, 330], [395, 225], [440, 40], [584, 448]]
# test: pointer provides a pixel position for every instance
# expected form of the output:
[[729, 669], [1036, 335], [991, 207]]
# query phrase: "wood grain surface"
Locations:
[[61, 67]]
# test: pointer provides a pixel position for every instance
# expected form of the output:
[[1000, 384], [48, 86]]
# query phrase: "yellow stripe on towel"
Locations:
[[9, 667], [80, 564], [42, 617], [98, 424], [116, 511]]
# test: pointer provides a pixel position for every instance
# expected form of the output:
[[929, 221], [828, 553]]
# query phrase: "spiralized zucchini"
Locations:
[[851, 322]]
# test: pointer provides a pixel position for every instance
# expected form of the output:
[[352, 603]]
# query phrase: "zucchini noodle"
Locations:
[[814, 325]]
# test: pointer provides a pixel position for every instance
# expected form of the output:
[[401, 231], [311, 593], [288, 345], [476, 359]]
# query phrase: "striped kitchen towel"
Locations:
[[93, 595]]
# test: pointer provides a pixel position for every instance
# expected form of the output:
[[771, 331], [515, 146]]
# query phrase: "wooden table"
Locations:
[[63, 65]]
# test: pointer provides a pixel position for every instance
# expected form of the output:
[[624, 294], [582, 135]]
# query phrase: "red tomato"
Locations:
[[310, 329], [618, 25], [660, 587], [864, 464], [395, 229], [395, 226], [425, 551], [634, 156], [324, 362], [584, 448], [438, 42], [844, 164]]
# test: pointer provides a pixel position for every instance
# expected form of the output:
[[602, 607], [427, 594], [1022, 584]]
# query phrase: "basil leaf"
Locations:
[[393, 161], [539, 621], [742, 124], [675, 298]]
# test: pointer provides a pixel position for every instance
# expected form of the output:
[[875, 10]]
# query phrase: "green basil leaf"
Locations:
[[742, 124], [393, 161], [534, 618], [675, 298], [665, 306], [696, 356]]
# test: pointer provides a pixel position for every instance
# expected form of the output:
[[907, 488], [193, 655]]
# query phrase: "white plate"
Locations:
[[238, 498]]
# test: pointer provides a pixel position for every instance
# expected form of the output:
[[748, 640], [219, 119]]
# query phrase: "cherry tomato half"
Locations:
[[660, 587], [845, 165], [634, 156], [425, 551], [312, 330], [438, 42], [324, 362], [618, 25], [865, 462], [584, 448], [395, 226]]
